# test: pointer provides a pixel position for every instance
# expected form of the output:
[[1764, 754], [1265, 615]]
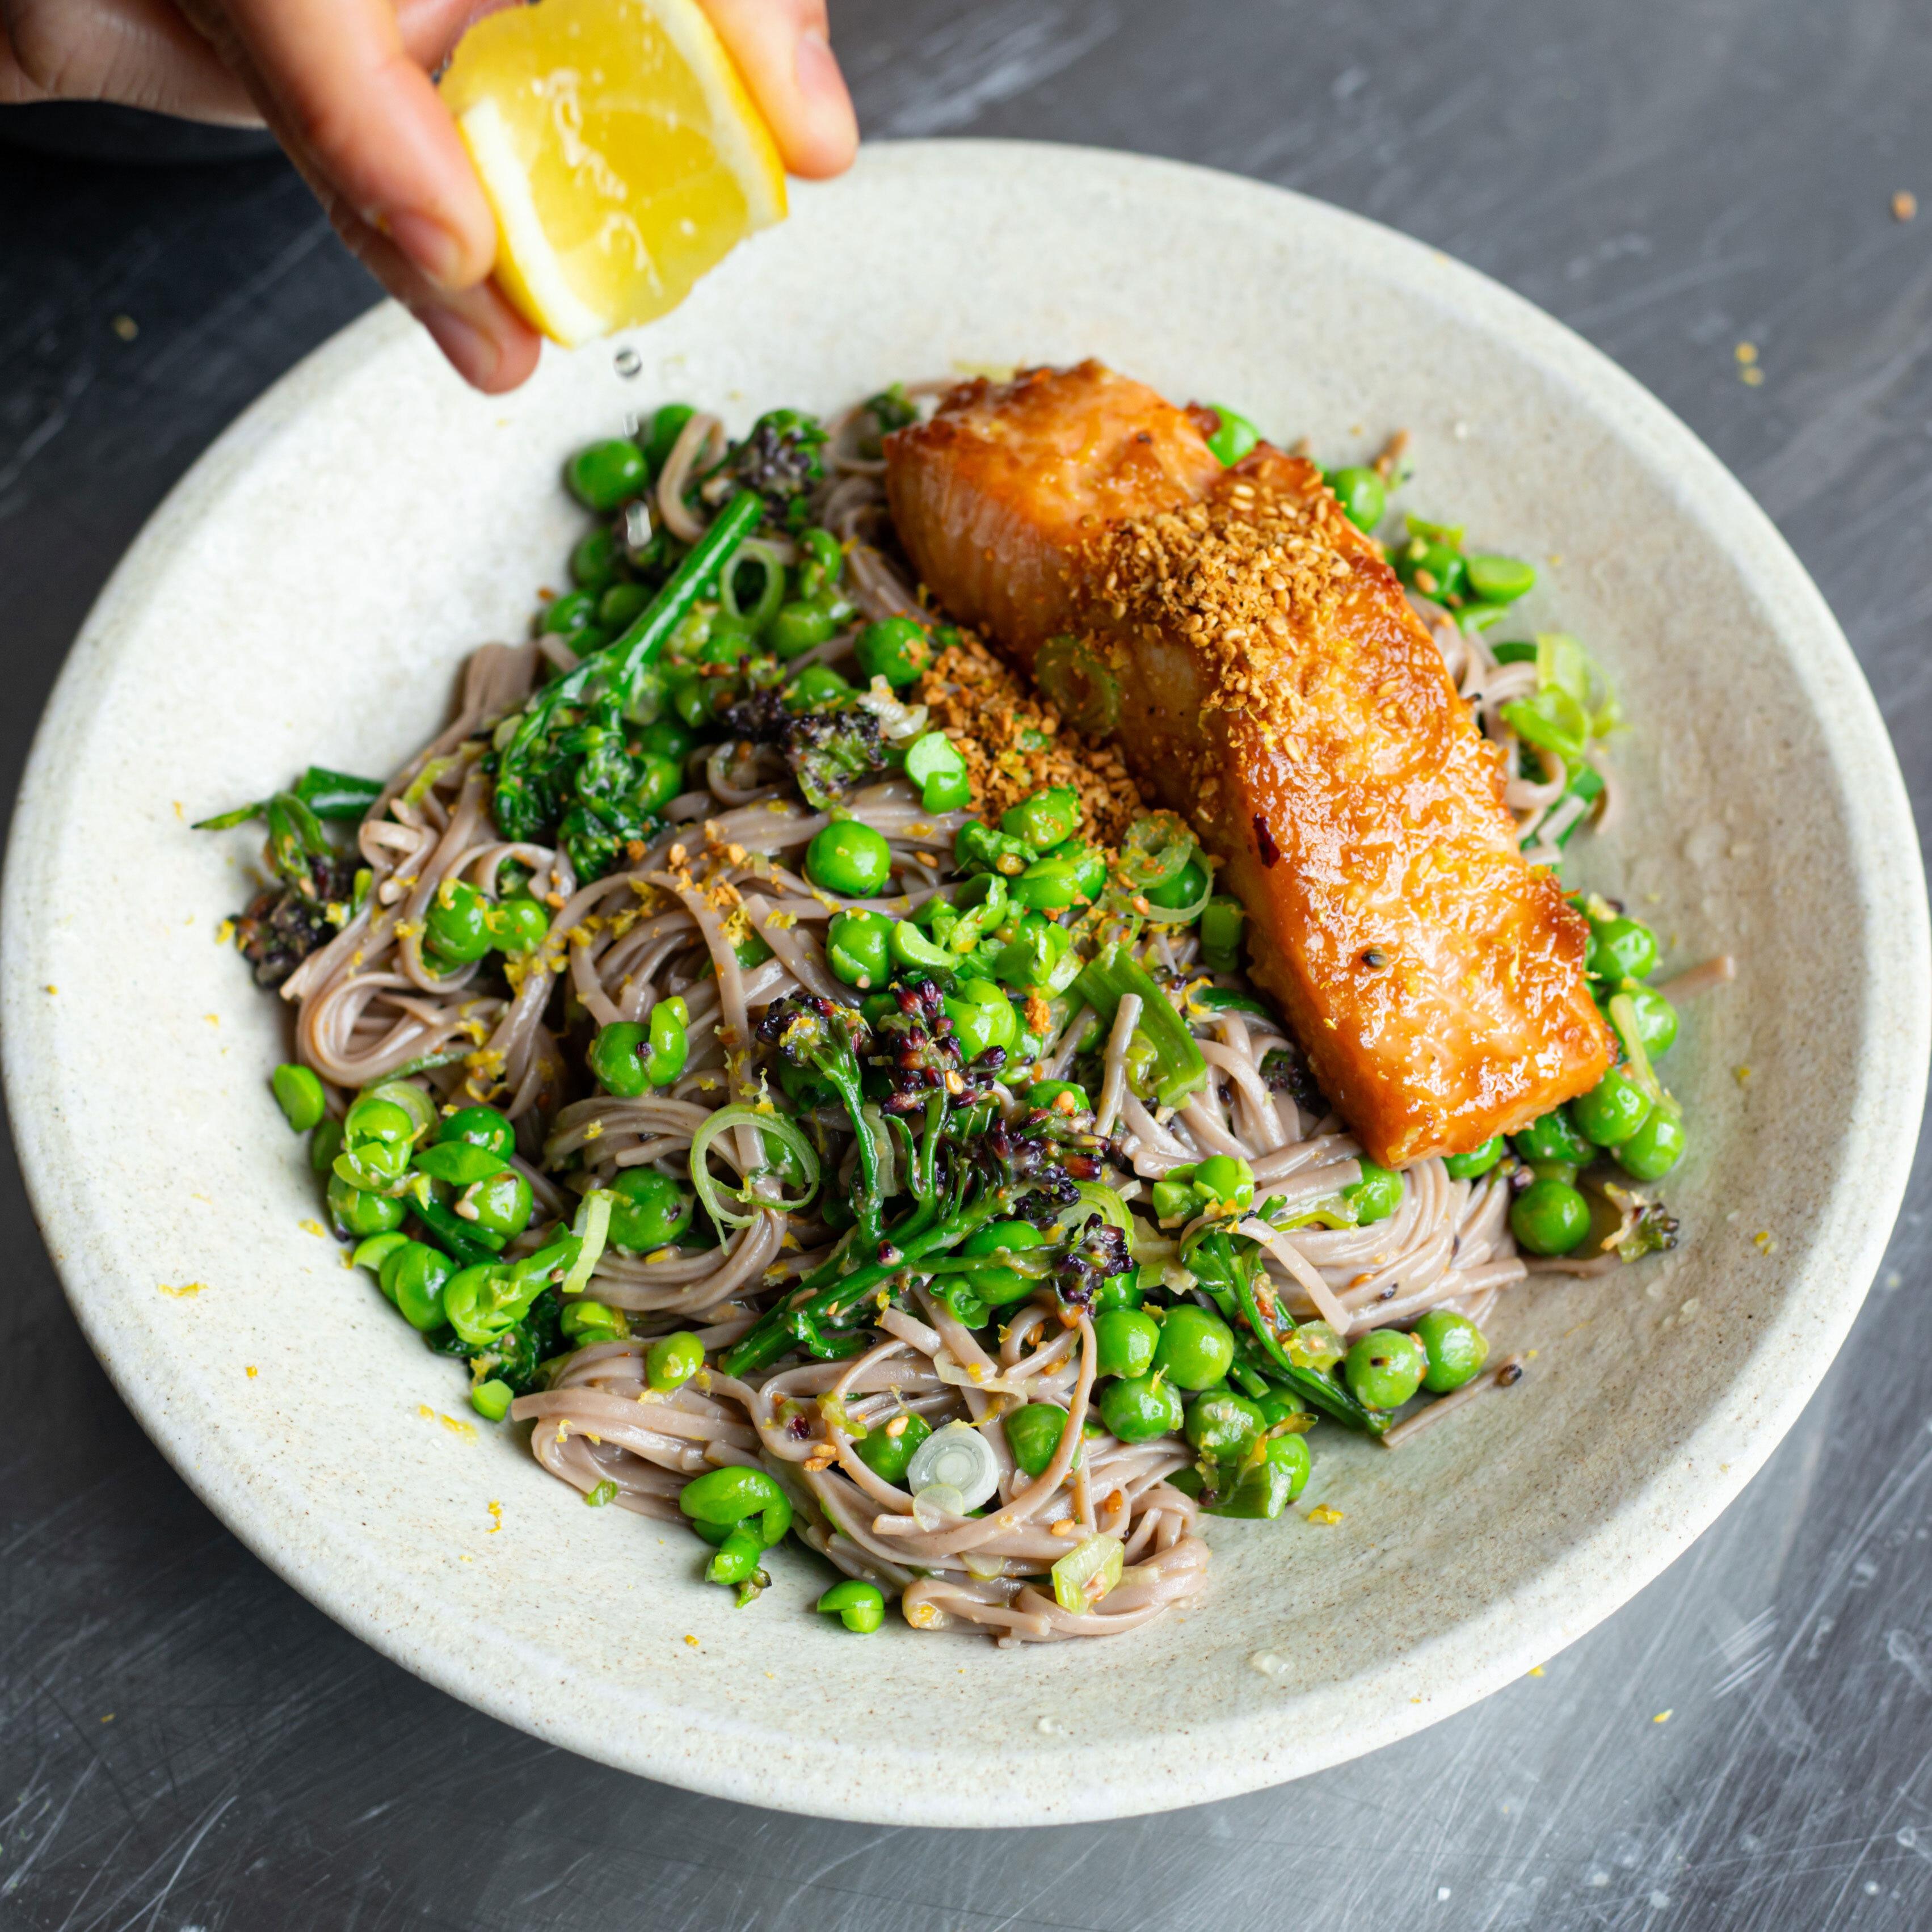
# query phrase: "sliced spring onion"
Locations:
[[1156, 850], [957, 1457], [1224, 1000], [1073, 674], [589, 1231], [1095, 1199], [1087, 1573], [932, 1505], [1179, 1066], [421, 785], [781, 1129]]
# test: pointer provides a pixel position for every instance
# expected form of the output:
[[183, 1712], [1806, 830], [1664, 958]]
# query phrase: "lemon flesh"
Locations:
[[620, 151]]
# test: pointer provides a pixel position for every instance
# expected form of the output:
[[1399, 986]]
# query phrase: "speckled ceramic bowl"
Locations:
[[307, 593]]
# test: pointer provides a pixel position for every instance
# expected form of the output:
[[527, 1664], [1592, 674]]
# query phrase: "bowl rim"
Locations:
[[1571, 1592]]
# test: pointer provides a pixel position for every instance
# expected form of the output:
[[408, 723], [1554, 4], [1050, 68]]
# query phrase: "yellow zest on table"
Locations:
[[620, 153]]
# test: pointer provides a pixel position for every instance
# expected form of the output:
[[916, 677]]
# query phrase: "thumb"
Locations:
[[783, 49]]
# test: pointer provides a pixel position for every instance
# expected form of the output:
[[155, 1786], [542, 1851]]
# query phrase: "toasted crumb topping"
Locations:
[[1013, 742]]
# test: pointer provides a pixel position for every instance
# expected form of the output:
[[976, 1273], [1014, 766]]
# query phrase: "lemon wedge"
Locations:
[[619, 151]]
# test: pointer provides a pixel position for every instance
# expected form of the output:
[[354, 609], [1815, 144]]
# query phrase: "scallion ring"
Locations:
[[781, 1129]]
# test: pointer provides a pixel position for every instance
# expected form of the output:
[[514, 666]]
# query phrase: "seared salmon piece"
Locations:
[[1277, 690]]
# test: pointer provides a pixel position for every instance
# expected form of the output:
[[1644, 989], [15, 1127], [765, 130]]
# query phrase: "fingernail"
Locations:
[[428, 244], [475, 353], [817, 71]]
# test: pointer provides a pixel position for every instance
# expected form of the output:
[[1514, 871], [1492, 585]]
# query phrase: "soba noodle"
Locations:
[[714, 909]]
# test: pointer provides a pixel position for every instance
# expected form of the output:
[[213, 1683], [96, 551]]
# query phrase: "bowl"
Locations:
[[307, 593]]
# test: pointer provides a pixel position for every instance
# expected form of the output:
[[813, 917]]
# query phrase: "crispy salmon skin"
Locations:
[[1276, 689]]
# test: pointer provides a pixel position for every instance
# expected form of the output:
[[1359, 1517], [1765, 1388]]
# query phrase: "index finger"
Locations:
[[370, 121]]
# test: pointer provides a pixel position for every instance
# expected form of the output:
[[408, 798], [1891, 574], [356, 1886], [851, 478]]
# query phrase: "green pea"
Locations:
[[1045, 818], [888, 1455], [848, 856], [815, 688], [457, 1163], [859, 1606], [414, 1277], [299, 1092], [1233, 435], [997, 1285], [617, 1058], [1549, 1217], [1362, 494], [1655, 1149], [491, 1400], [1034, 1434], [1039, 957], [934, 763], [1224, 1425], [673, 1359], [620, 607], [982, 1016], [601, 475], [1196, 1347], [1476, 1162], [910, 947], [371, 1119], [1564, 1171], [1612, 1110], [519, 926], [1432, 567], [478, 1127], [670, 1042], [799, 626], [666, 738], [659, 781], [692, 699], [739, 1557], [1500, 580], [1455, 1347], [1046, 1093], [585, 1322], [1124, 1342], [1047, 885], [457, 923], [729, 1495], [563, 616], [324, 1144], [502, 1204], [651, 1210], [1276, 1409], [1376, 1195], [1226, 1181], [858, 948], [593, 563], [1184, 888], [1119, 1291], [1622, 949], [895, 649], [1552, 1137], [821, 561], [1385, 1368], [1656, 1021], [666, 426], [372, 1253], [1268, 1485], [1141, 1407], [1222, 923]]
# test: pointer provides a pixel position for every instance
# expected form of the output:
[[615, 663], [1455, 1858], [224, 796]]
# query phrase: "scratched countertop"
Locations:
[[184, 1742]]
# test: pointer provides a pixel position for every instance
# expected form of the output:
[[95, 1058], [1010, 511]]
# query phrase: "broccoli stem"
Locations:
[[619, 662]]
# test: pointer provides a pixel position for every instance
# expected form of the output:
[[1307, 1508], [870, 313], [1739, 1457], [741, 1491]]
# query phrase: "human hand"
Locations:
[[345, 85]]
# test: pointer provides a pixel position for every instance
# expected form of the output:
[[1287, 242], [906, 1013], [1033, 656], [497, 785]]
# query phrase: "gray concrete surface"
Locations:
[[184, 1742]]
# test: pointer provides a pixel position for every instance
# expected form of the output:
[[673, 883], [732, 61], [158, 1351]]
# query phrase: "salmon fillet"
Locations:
[[1277, 690]]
